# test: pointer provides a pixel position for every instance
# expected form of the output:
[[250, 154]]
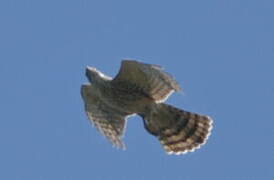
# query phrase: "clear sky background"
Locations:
[[220, 51]]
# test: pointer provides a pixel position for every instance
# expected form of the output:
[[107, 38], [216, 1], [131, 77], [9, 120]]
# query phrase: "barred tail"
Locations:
[[178, 131]]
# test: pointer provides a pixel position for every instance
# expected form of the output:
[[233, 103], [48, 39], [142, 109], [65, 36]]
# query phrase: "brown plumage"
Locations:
[[141, 89]]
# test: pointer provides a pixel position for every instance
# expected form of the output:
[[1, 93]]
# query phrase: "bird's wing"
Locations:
[[150, 78], [108, 121]]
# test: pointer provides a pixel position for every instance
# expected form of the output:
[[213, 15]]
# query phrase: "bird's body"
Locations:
[[119, 95], [141, 89]]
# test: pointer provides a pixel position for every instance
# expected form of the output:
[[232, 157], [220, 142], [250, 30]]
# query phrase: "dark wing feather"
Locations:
[[150, 78], [108, 121]]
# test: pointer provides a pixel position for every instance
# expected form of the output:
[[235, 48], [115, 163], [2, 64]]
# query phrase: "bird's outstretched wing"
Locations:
[[151, 79], [107, 120]]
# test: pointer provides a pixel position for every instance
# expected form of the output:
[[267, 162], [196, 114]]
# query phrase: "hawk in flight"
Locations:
[[142, 89]]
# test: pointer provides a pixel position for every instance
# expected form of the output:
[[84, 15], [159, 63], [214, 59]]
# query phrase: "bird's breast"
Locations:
[[127, 100]]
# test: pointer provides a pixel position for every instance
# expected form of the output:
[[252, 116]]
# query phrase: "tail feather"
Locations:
[[178, 131]]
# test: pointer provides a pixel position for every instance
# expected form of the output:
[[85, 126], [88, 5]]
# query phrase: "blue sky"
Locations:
[[220, 51]]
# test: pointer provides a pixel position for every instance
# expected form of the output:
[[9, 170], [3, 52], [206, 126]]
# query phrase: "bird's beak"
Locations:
[[90, 72]]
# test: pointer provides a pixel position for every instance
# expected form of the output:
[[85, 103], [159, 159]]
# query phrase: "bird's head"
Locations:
[[94, 75]]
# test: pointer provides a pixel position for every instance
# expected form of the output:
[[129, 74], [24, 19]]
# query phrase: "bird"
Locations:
[[142, 89]]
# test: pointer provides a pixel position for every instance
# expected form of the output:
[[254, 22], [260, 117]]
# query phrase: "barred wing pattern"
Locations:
[[108, 121], [150, 78]]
